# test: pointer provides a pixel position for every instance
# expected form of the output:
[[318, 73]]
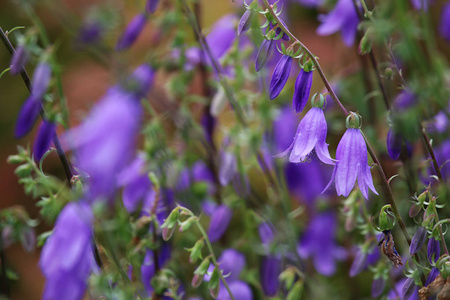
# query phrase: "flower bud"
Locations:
[[187, 224], [296, 291], [408, 288], [215, 279], [19, 59], [353, 120], [432, 276], [196, 251], [132, 32], [227, 168], [167, 233], [264, 53], [433, 250], [172, 219], [28, 240], [43, 139], [203, 267], [151, 5], [394, 144], [23, 170], [365, 45], [359, 263], [378, 285], [41, 79], [418, 240], [197, 280], [245, 22], [414, 210], [214, 292], [302, 90], [220, 219], [384, 222], [280, 76], [16, 159], [270, 270]]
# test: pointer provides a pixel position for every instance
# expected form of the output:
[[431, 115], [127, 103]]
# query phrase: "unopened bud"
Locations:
[[214, 292], [172, 219], [167, 233], [365, 45], [16, 159], [296, 291], [418, 240], [196, 280], [23, 170], [187, 224], [318, 100], [203, 267], [196, 251]]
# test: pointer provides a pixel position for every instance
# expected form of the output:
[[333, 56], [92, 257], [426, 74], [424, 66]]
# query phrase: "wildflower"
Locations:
[[19, 59], [302, 90], [433, 250], [319, 241], [219, 222], [265, 233], [221, 37], [311, 134], [66, 259], [444, 25], [148, 268], [90, 33], [244, 22], [264, 53], [280, 76], [239, 289], [418, 239], [378, 285], [227, 168], [344, 18], [351, 156], [397, 290], [394, 143], [150, 6], [270, 270], [408, 288], [132, 32], [432, 276], [43, 139]]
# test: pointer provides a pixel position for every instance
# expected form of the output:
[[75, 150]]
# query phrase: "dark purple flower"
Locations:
[[432, 276], [90, 33], [433, 250], [279, 30], [227, 168], [148, 268], [239, 289], [404, 100], [150, 6], [344, 18], [219, 222], [280, 76], [66, 258], [351, 157], [43, 139], [302, 89], [27, 116], [311, 134], [132, 32], [444, 24], [245, 22], [378, 285], [418, 239], [318, 241], [394, 143], [264, 53], [270, 270], [19, 59], [208, 122], [265, 233]]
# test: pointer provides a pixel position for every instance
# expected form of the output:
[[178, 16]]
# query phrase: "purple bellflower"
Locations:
[[409, 288], [245, 22], [264, 53], [280, 76], [150, 6], [378, 285], [222, 36], [227, 168], [132, 32], [394, 143], [66, 259], [220, 219], [318, 241], [351, 156], [444, 24], [270, 270], [148, 268], [344, 18], [433, 250], [397, 290], [302, 89], [43, 139], [311, 134], [432, 276], [30, 109], [19, 59], [418, 239]]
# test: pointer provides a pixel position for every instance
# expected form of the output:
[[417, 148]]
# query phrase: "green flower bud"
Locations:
[[215, 278], [384, 221], [197, 280], [172, 219], [214, 292], [203, 267], [296, 291], [16, 159], [167, 233], [354, 120], [23, 170], [196, 251], [365, 45], [186, 224]]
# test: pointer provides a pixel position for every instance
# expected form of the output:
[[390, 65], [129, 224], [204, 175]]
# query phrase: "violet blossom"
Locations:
[[132, 32], [245, 22], [220, 218], [270, 270], [418, 240], [444, 24], [43, 139], [351, 161], [150, 6], [264, 53], [280, 76], [432, 276], [433, 250], [302, 89], [19, 59], [378, 285], [342, 18], [148, 267]]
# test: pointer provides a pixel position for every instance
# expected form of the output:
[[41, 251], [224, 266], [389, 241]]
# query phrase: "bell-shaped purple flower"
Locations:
[[245, 22], [378, 285], [220, 219], [280, 76], [150, 6], [239, 289], [221, 37], [394, 143], [66, 259], [27, 116], [444, 24], [264, 53], [302, 89], [432, 276], [43, 139], [351, 156], [342, 18], [311, 134], [318, 241], [132, 32], [433, 250], [270, 270], [408, 288], [19, 59], [418, 239]]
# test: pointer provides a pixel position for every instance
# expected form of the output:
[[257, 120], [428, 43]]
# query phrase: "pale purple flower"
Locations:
[[444, 24], [43, 139], [265, 231], [264, 53], [363, 259], [245, 22], [220, 219], [41, 79], [418, 240], [270, 270], [404, 100], [421, 4], [280, 76], [148, 267], [351, 156], [239, 289], [221, 37], [318, 241], [90, 33], [227, 168], [199, 172], [397, 291], [19, 59], [67, 258], [302, 89], [311, 134], [342, 18], [433, 250], [284, 128], [378, 285], [150, 6], [132, 32]]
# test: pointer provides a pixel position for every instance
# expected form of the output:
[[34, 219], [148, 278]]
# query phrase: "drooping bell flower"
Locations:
[[444, 24], [19, 59], [351, 161], [132, 32], [67, 258], [220, 219], [280, 76], [418, 240], [43, 139], [221, 37], [302, 89], [433, 250], [150, 6], [342, 18], [394, 144], [264, 53], [30, 109], [245, 22], [270, 270], [318, 241], [311, 134], [239, 289]]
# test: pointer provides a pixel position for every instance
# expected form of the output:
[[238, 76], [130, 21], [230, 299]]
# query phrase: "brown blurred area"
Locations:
[[84, 81]]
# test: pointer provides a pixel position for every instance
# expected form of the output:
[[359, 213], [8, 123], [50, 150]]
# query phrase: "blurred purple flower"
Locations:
[[311, 134], [421, 4], [245, 22], [394, 143], [132, 32], [66, 258], [351, 156], [41, 79], [221, 37], [418, 239], [43, 139], [19, 59], [284, 128], [208, 123], [342, 18], [148, 267], [270, 270], [199, 172], [378, 285], [227, 168], [318, 241], [404, 100], [443, 156], [264, 53], [150, 6], [239, 289], [280, 76], [265, 233], [302, 89], [433, 250], [310, 3], [220, 219], [363, 259], [409, 288], [90, 33], [396, 292], [444, 25]]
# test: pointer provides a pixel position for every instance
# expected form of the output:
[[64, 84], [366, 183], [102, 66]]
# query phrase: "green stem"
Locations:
[[436, 219]]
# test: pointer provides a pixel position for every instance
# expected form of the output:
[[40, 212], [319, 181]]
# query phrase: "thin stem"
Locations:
[[436, 219], [430, 150]]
